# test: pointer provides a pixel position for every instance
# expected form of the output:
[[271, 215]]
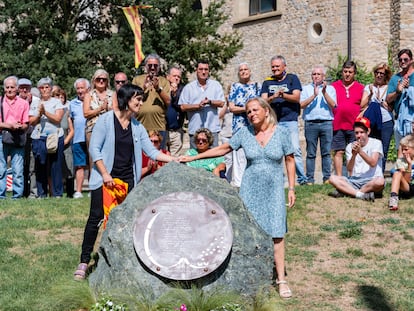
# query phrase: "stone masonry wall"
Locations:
[[310, 32]]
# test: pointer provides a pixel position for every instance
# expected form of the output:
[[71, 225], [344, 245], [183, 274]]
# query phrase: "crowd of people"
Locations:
[[242, 136]]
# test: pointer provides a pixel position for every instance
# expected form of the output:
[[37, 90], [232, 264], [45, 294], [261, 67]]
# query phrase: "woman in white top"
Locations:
[[373, 103], [97, 101], [46, 116]]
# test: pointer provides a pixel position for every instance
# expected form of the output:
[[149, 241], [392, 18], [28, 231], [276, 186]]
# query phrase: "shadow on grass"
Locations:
[[374, 298]]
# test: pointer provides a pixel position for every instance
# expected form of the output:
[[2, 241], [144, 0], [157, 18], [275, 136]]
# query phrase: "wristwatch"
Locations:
[[159, 90]]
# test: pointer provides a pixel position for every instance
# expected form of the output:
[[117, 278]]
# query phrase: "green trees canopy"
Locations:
[[70, 39]]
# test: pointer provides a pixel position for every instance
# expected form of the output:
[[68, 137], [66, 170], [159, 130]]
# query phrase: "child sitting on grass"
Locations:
[[402, 179]]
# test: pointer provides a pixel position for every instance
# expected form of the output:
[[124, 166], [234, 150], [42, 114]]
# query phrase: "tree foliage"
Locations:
[[70, 39], [182, 35], [363, 74]]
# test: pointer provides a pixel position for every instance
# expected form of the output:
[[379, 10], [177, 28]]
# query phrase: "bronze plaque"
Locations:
[[183, 236]]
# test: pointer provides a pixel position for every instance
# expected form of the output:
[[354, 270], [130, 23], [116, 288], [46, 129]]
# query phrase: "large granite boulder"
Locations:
[[247, 268]]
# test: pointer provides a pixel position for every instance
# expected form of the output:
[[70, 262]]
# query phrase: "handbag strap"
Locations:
[[1, 108]]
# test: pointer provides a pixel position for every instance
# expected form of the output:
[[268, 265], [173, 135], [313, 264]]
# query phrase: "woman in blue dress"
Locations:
[[262, 187]]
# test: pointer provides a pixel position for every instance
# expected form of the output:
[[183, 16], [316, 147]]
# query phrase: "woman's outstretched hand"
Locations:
[[185, 158]]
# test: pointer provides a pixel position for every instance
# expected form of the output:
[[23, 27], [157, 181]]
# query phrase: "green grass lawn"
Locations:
[[342, 254]]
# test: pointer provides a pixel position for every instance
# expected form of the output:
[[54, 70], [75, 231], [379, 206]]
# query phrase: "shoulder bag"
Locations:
[[13, 138]]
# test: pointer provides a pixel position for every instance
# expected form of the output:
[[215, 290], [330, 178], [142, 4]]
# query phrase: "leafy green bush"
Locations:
[[363, 75]]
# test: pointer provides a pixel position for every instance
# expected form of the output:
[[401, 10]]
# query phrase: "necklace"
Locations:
[[347, 88], [380, 97], [123, 122]]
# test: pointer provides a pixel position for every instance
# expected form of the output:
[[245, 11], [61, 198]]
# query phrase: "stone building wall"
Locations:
[[309, 32]]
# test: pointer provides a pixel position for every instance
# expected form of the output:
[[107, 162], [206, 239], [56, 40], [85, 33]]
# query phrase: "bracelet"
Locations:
[[291, 189]]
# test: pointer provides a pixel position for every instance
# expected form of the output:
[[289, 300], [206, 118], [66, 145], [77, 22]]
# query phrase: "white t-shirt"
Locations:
[[361, 168]]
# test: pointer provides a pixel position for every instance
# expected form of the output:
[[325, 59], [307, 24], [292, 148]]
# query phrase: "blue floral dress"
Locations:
[[262, 186], [240, 94]]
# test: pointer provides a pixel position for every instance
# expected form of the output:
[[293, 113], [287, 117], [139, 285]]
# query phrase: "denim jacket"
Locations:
[[102, 147]]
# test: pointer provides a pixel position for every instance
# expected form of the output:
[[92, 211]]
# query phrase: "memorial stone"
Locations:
[[243, 262]]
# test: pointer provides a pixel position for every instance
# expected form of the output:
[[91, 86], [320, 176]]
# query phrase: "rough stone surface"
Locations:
[[248, 267]]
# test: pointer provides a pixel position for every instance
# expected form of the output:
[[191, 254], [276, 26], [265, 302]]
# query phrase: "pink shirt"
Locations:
[[348, 105], [15, 110]]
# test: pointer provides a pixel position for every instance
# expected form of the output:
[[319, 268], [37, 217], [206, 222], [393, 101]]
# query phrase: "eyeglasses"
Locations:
[[379, 73], [152, 65], [120, 81], [201, 141], [155, 141], [99, 79], [405, 60]]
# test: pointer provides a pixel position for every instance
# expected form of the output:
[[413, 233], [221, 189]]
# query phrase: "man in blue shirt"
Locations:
[[200, 100], [318, 101], [398, 85], [79, 150], [282, 92]]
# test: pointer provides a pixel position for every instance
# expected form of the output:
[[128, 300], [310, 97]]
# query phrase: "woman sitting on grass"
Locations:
[[402, 179], [204, 139]]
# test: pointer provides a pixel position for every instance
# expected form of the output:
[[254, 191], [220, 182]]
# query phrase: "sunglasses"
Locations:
[[101, 79], [201, 141], [120, 81], [405, 60], [152, 65], [155, 141], [380, 73]]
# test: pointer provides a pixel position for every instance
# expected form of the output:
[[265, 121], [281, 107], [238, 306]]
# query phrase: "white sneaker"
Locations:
[[77, 195]]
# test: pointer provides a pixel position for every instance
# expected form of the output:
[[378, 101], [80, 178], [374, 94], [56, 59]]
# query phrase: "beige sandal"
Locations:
[[285, 294]]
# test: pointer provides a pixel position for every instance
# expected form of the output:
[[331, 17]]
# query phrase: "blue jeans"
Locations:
[[292, 127], [323, 132], [17, 165], [52, 170], [386, 134]]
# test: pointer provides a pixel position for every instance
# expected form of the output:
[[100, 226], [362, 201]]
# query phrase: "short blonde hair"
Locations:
[[98, 73], [407, 141]]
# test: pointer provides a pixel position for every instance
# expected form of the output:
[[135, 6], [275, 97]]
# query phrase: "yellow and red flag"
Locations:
[[112, 197], [132, 15]]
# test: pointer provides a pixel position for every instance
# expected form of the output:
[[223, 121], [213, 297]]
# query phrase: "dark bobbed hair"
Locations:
[[125, 93]]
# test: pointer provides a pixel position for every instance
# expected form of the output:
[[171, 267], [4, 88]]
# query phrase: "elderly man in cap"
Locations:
[[13, 123], [24, 88], [364, 165]]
